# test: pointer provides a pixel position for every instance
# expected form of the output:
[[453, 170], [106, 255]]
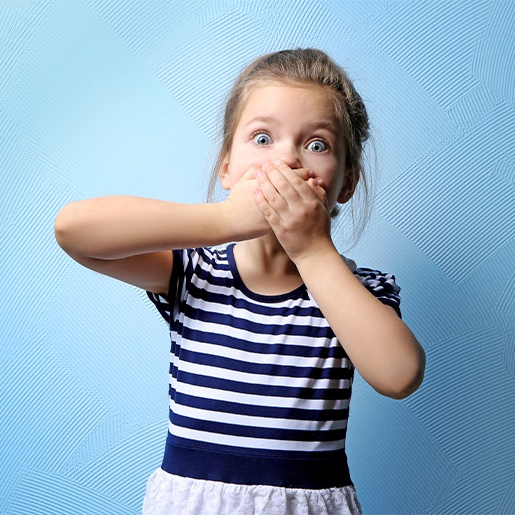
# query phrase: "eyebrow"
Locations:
[[315, 124], [325, 124], [262, 119]]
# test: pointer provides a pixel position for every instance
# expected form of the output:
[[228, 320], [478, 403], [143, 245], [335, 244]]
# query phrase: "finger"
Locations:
[[273, 193], [263, 205], [296, 179], [317, 185], [304, 173], [286, 181]]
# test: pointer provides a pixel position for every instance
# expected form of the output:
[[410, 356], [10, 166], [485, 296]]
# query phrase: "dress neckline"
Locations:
[[295, 293]]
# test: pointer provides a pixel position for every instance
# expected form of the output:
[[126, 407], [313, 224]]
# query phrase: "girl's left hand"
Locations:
[[295, 209]]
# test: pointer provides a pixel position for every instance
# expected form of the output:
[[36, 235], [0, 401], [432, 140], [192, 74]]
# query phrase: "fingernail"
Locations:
[[278, 162], [266, 164], [259, 173]]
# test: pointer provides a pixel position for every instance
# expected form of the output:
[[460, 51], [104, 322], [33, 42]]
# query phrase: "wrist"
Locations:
[[316, 255], [237, 227], [226, 227]]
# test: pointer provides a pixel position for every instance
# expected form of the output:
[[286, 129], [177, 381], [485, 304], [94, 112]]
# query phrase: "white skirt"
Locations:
[[175, 495]]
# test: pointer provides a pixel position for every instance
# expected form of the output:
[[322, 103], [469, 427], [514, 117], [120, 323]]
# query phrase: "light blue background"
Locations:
[[103, 97]]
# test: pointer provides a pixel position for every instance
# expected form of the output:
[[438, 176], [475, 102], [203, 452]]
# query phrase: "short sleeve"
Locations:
[[381, 285], [162, 305], [165, 304]]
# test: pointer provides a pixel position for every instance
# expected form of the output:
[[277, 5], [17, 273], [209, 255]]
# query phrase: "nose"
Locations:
[[289, 154]]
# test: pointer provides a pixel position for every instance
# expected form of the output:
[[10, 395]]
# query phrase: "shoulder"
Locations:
[[376, 280], [381, 284], [190, 267], [202, 256]]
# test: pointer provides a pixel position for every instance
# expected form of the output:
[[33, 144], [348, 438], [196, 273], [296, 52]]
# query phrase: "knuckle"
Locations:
[[306, 213], [272, 197], [282, 186], [297, 181]]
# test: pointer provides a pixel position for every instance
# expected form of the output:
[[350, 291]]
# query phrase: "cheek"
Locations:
[[245, 160], [236, 172], [335, 185], [327, 169]]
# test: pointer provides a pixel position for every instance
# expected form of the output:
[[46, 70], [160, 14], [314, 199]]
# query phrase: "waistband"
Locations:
[[310, 470]]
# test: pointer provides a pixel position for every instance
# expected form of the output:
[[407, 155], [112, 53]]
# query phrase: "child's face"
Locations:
[[293, 123]]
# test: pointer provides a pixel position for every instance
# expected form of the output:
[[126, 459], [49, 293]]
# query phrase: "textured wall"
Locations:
[[105, 97]]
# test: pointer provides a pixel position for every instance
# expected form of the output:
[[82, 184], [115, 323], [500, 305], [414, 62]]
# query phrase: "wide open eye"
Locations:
[[262, 138], [317, 146]]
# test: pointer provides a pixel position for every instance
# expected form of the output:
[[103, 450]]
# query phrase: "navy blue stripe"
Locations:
[[313, 470], [299, 329], [214, 280], [324, 415], [268, 369], [307, 351], [216, 258], [297, 294], [164, 309], [176, 278], [391, 302], [258, 389], [228, 299], [264, 433]]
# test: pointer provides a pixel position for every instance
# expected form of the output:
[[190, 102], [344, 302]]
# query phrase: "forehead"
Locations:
[[282, 100]]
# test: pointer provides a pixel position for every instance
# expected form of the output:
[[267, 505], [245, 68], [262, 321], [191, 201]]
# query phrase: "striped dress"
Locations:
[[259, 395]]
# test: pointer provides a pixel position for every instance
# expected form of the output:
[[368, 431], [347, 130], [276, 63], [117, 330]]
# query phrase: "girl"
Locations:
[[265, 332]]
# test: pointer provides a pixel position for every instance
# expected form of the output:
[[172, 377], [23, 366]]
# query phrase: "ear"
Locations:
[[225, 177], [349, 185]]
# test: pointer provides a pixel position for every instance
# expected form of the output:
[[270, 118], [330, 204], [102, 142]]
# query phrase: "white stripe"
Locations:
[[263, 338], [161, 300], [257, 400], [238, 294], [215, 272], [261, 379], [214, 349], [253, 443], [248, 421], [243, 313]]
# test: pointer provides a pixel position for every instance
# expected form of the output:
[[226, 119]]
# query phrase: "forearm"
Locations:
[[380, 345], [119, 226]]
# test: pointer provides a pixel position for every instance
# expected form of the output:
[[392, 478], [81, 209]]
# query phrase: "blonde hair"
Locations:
[[306, 67]]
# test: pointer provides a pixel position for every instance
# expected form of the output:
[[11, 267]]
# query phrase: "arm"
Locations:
[[379, 344], [130, 238]]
